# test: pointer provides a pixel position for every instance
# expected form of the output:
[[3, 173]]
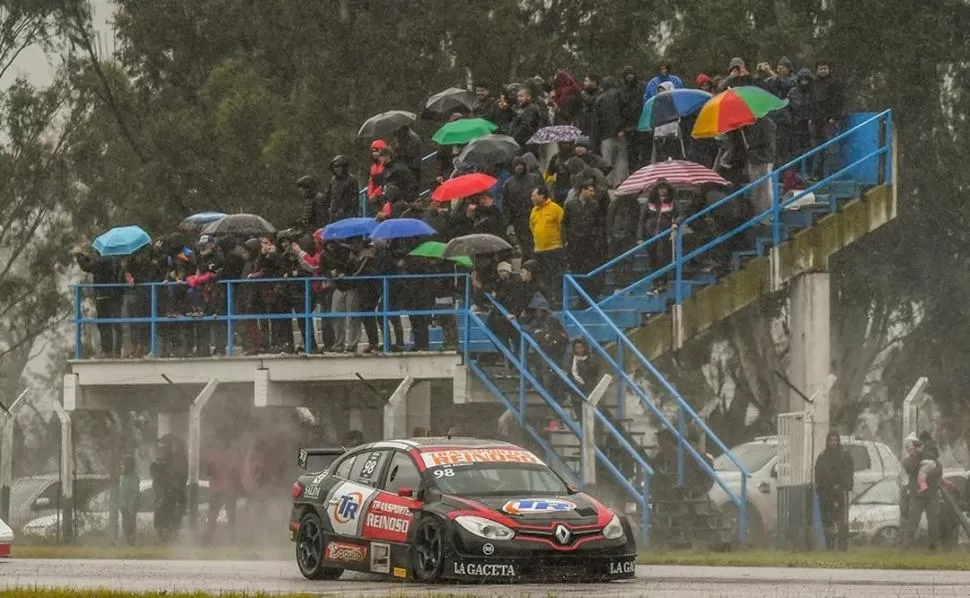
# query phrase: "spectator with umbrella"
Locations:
[[240, 225], [107, 300], [398, 174], [192, 226], [663, 76], [375, 179], [487, 151], [545, 223], [450, 102], [409, 150]]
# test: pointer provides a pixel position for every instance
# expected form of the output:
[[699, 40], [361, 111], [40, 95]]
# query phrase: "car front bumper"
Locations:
[[554, 567]]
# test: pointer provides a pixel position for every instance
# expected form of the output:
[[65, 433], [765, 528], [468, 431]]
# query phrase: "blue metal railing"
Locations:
[[671, 234], [223, 309]]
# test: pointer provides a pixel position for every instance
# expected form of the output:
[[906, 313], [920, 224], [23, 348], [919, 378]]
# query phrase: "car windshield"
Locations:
[[885, 492], [753, 456], [498, 479]]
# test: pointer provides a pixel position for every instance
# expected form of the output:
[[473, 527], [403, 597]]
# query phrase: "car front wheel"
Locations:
[[309, 550], [427, 561]]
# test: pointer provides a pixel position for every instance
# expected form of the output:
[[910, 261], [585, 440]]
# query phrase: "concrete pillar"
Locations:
[[195, 443], [588, 457], [67, 474], [419, 407], [810, 351], [395, 414], [7, 419]]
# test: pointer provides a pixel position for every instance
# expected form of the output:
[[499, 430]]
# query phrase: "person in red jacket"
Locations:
[[375, 183]]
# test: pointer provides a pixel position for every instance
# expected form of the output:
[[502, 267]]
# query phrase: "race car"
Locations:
[[6, 539], [429, 509]]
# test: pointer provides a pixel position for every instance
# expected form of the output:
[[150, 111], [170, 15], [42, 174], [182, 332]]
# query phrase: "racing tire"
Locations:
[[887, 536], [310, 541], [428, 555]]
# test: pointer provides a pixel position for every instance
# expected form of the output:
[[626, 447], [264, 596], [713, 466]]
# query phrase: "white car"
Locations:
[[874, 515], [6, 539], [96, 518], [873, 462]]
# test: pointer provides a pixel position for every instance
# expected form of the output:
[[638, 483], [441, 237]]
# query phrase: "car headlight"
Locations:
[[484, 528], [613, 529]]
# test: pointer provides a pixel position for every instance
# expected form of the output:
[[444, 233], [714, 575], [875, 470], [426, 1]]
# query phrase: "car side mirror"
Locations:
[[42, 503], [405, 492]]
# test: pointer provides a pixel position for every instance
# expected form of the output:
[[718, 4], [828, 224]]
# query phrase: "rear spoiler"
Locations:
[[305, 454]]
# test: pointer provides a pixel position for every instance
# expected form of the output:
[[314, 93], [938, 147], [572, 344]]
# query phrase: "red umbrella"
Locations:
[[676, 172], [465, 185]]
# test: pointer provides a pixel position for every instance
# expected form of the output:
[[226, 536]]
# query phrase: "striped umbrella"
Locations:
[[675, 172]]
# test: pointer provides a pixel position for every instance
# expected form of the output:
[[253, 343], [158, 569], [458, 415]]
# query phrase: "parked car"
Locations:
[[97, 516], [874, 514], [6, 539], [38, 496], [873, 462]]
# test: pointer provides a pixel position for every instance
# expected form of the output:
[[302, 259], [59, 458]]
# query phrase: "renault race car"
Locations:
[[428, 509]]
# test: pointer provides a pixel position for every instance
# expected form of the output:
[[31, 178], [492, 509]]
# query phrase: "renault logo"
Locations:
[[562, 534]]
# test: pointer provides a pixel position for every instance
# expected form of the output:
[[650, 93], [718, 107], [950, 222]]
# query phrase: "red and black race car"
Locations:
[[428, 509]]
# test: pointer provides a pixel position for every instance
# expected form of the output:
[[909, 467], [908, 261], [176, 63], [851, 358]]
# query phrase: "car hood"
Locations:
[[871, 516], [575, 509]]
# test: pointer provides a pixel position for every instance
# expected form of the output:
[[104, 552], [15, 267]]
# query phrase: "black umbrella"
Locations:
[[240, 224], [385, 123], [450, 101], [475, 245], [489, 150]]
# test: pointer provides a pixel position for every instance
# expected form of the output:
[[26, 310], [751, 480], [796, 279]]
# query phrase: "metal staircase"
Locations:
[[604, 322]]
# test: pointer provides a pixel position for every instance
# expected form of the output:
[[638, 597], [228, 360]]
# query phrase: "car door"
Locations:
[[865, 472], [390, 513], [348, 499]]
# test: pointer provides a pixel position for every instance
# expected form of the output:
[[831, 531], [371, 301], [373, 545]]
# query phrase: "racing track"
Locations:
[[282, 576]]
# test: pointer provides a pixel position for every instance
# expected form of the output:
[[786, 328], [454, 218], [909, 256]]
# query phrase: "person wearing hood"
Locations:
[[609, 131], [631, 102], [107, 300], [375, 179], [398, 174], [667, 138], [315, 206], [516, 194], [829, 97], [738, 75], [622, 224], [409, 150], [704, 83], [591, 91], [343, 192], [566, 99], [801, 113], [834, 478], [663, 76], [583, 149], [528, 119]]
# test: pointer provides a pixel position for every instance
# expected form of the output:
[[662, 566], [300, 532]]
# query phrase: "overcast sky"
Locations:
[[39, 69]]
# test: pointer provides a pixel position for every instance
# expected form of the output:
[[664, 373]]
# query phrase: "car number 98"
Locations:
[[444, 473]]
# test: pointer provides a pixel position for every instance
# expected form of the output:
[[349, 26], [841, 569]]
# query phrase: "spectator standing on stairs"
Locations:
[[584, 371], [545, 222], [829, 99], [760, 140]]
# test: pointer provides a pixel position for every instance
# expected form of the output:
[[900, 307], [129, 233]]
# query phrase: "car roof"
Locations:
[[433, 443]]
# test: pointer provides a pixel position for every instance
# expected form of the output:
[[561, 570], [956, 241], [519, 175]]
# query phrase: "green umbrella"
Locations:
[[435, 249], [463, 130]]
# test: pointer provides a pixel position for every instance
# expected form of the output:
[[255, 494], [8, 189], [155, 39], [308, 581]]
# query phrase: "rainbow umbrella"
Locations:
[[735, 108]]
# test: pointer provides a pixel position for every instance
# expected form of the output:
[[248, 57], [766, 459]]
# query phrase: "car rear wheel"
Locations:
[[309, 549], [427, 561], [887, 536]]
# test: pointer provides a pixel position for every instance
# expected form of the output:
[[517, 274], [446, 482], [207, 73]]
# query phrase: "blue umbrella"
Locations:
[[668, 106], [347, 228], [122, 240], [402, 228], [196, 222]]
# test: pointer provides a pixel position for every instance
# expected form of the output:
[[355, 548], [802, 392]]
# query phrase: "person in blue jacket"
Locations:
[[663, 76]]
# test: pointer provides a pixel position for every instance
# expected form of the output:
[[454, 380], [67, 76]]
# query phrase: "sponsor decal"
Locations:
[[371, 466], [380, 557], [313, 490], [462, 457], [345, 552], [622, 567], [347, 507], [484, 569], [400, 572], [488, 549], [534, 506], [388, 519]]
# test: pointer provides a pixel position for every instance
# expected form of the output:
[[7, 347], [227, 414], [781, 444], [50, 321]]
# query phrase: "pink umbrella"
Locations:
[[675, 172]]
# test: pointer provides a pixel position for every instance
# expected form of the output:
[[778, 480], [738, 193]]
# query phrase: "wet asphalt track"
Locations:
[[653, 581]]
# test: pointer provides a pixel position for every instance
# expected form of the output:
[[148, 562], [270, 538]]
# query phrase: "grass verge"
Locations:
[[860, 558], [155, 552], [51, 593]]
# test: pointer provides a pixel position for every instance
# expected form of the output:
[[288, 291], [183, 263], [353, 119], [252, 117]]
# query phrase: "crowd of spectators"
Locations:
[[554, 203]]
